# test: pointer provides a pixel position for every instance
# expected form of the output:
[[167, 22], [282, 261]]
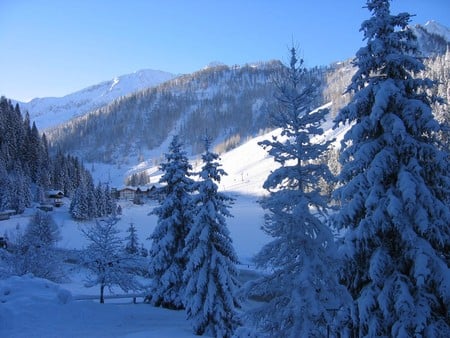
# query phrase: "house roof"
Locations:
[[58, 193]]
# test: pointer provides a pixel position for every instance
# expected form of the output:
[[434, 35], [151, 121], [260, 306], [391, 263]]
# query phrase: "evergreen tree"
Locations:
[[19, 190], [44, 165], [79, 208], [211, 273], [110, 203], [29, 168], [303, 291], [100, 200], [42, 230], [35, 252], [395, 189], [89, 202], [132, 241], [5, 198], [92, 210], [167, 260]]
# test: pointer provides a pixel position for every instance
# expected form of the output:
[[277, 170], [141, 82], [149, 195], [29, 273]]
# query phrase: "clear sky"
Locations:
[[55, 47]]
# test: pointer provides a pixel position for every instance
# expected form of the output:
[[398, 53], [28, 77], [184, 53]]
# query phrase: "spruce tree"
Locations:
[[132, 241], [211, 273], [35, 251], [303, 292], [167, 260], [395, 189]]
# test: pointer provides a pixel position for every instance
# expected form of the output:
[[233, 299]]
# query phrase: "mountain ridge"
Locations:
[[231, 103], [48, 112]]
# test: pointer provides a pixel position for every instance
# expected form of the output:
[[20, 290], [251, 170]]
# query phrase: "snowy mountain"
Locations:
[[433, 38], [434, 27], [230, 103], [51, 111]]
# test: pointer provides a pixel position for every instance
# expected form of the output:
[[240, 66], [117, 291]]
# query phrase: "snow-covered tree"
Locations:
[[42, 230], [167, 260], [303, 292], [105, 259], [211, 273], [79, 208], [100, 200], [34, 250], [89, 202], [132, 240], [5, 198], [395, 189]]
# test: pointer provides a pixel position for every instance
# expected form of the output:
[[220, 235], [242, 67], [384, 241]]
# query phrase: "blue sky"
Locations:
[[55, 47]]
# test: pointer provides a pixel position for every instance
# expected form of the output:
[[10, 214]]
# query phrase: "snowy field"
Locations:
[[32, 307]]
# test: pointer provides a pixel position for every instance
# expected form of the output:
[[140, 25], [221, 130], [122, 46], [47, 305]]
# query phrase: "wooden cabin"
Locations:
[[55, 197]]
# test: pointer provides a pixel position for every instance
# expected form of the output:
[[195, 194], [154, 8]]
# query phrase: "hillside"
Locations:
[[51, 111], [225, 101], [231, 104]]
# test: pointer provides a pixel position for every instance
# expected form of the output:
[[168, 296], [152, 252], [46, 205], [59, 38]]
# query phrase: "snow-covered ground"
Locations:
[[34, 307], [31, 307]]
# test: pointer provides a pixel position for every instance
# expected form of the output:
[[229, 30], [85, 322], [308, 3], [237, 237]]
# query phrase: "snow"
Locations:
[[34, 307], [50, 111], [31, 300], [434, 27], [28, 300]]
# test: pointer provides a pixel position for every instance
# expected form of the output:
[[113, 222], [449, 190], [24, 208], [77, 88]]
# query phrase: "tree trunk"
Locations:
[[102, 299]]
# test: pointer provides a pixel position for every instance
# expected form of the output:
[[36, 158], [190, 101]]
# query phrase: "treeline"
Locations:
[[27, 169]]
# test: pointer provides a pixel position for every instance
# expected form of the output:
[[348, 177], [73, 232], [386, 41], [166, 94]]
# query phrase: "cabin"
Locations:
[[6, 214], [55, 197], [127, 193], [132, 193]]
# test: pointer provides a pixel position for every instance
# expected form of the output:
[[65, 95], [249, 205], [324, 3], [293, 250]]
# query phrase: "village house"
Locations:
[[55, 197], [132, 193]]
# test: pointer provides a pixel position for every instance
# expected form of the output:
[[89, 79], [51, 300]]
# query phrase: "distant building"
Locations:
[[127, 193], [55, 197], [6, 214], [133, 193]]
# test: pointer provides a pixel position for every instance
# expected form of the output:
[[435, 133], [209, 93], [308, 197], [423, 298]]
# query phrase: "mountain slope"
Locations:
[[51, 111], [223, 101], [229, 103], [433, 38]]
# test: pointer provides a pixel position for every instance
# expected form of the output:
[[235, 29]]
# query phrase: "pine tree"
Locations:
[[19, 190], [5, 198], [211, 273], [395, 189], [84, 204], [303, 292], [132, 241], [79, 208], [100, 200], [34, 251], [167, 261], [110, 203]]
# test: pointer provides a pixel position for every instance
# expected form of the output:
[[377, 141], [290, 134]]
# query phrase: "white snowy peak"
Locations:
[[51, 111], [433, 38], [434, 27]]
